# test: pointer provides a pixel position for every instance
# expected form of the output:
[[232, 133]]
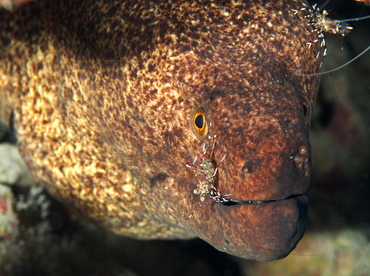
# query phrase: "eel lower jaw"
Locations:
[[262, 230]]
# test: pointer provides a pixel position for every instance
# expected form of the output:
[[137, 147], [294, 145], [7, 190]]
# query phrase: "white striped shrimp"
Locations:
[[205, 170]]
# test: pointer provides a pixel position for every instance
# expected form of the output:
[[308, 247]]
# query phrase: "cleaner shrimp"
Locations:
[[205, 170], [323, 24]]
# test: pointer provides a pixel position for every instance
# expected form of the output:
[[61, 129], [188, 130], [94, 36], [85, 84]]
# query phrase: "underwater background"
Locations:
[[40, 237]]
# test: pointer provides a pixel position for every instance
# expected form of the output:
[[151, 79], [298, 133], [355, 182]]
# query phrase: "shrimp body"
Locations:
[[328, 25], [205, 170]]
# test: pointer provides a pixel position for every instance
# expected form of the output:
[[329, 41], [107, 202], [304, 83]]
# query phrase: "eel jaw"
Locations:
[[258, 230]]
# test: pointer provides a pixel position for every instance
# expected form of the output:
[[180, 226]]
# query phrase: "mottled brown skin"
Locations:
[[100, 94]]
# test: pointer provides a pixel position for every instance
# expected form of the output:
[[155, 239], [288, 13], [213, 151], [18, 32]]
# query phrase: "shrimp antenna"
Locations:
[[324, 4], [338, 68], [354, 19]]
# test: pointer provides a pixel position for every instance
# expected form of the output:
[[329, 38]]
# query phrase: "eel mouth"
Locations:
[[233, 202], [262, 230]]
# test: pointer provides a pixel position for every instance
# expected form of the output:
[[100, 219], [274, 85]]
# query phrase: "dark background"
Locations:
[[336, 242]]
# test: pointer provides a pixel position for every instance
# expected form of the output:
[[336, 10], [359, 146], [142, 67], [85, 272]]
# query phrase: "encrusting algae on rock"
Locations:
[[100, 95]]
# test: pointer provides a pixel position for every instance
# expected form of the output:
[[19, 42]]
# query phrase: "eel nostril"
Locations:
[[248, 167], [299, 158], [303, 149], [302, 156]]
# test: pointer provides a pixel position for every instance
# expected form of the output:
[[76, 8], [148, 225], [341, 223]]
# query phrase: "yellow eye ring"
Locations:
[[199, 123]]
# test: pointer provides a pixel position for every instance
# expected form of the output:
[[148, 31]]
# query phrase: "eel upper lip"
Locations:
[[232, 202]]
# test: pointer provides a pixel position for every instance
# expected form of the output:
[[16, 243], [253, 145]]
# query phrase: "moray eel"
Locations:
[[100, 95]]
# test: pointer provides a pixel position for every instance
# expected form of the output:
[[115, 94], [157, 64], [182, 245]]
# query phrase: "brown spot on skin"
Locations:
[[102, 93]]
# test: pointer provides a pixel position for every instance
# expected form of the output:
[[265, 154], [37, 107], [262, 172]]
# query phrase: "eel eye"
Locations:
[[198, 122], [305, 108]]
